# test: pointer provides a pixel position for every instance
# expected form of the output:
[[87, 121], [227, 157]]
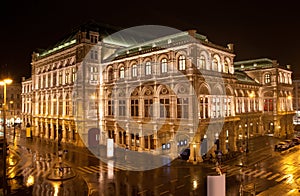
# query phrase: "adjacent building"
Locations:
[[160, 96], [14, 104]]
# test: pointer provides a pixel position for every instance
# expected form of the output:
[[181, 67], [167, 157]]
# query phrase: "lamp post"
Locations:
[[4, 83], [251, 96]]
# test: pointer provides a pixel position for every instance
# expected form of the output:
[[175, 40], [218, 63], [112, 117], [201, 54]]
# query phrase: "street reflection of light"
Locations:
[[292, 191], [290, 178], [56, 188], [11, 161], [30, 181], [110, 172], [195, 184]]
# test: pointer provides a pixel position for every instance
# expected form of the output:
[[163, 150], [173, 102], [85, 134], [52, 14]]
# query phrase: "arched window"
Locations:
[[148, 68], [226, 69], [110, 74], [134, 70], [267, 78], [164, 66], [215, 64], [181, 62], [202, 63], [122, 72]]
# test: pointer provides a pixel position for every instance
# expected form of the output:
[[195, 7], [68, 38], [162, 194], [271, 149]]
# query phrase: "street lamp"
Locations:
[[251, 96], [4, 83]]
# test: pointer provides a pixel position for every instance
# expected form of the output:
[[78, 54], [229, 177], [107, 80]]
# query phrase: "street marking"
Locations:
[[141, 192], [164, 192], [174, 180], [84, 170], [246, 171], [265, 175], [180, 186], [258, 174], [90, 169], [281, 178], [274, 176], [96, 168], [253, 172]]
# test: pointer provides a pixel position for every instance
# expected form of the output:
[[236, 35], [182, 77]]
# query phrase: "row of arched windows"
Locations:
[[148, 69]]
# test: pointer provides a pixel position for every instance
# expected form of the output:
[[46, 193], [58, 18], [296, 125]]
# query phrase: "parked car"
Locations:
[[185, 154], [281, 146], [289, 142], [296, 140]]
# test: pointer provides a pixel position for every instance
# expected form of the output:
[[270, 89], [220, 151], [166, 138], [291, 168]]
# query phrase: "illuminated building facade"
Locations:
[[144, 97], [14, 104]]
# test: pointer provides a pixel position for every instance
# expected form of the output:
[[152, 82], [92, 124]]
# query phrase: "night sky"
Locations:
[[257, 30]]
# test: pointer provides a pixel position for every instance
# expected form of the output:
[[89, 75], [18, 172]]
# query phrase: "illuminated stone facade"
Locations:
[[242, 99]]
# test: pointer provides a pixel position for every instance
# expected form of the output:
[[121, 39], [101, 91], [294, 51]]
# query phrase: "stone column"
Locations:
[[46, 135], [64, 132], [52, 129]]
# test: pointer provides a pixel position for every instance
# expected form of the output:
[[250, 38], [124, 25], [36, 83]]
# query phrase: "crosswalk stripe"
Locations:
[[265, 175], [258, 174], [281, 178], [253, 172], [84, 170], [246, 171], [231, 170], [274, 176], [96, 168], [90, 169]]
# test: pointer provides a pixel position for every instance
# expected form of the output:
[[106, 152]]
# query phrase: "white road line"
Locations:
[[162, 193], [159, 185], [253, 172], [84, 170], [180, 186], [265, 175], [274, 176], [281, 178], [258, 174], [90, 169], [246, 171]]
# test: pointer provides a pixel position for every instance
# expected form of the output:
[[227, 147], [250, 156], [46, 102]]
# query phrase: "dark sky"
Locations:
[[270, 29]]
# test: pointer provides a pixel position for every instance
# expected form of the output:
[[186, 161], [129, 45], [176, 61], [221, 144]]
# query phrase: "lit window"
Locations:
[[267, 78], [164, 66], [148, 68], [134, 70], [181, 62], [94, 73], [122, 73], [202, 62], [226, 66], [215, 64]]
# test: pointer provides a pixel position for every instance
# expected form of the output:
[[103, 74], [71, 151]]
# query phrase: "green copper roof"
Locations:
[[243, 77]]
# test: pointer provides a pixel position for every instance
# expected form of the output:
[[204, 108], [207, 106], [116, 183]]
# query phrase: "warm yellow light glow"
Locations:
[[252, 94], [56, 188], [195, 184], [11, 161], [290, 178], [289, 97], [30, 181], [8, 81]]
